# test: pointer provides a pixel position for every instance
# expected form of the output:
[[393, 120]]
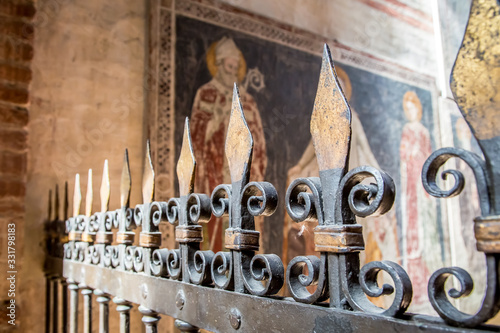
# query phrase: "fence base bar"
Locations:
[[213, 309]]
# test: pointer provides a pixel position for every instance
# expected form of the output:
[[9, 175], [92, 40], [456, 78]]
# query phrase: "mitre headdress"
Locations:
[[226, 48]]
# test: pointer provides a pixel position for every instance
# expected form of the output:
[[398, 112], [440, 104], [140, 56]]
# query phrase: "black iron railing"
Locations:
[[94, 253]]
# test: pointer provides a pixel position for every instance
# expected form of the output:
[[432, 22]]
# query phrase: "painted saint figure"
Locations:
[[209, 121], [420, 235]]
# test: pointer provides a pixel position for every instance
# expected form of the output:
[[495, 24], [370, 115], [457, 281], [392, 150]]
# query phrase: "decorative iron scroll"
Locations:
[[475, 80], [246, 280]]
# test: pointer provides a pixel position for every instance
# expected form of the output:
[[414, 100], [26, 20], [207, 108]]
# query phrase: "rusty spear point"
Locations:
[[331, 119], [475, 76], [187, 164], [239, 141], [56, 203], [126, 182], [105, 187], [90, 194], [148, 178], [77, 196], [49, 211], [65, 203]]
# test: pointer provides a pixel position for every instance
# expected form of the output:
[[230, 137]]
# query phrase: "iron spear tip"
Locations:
[[90, 194], [239, 141], [186, 165], [77, 196], [49, 210], [105, 187], [56, 203], [65, 201], [475, 77], [148, 178], [126, 182], [331, 118]]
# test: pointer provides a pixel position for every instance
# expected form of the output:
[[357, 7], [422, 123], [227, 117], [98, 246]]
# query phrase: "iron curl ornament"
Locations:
[[241, 269], [74, 224], [474, 80], [148, 215], [105, 220], [334, 199], [120, 254], [56, 228], [188, 263]]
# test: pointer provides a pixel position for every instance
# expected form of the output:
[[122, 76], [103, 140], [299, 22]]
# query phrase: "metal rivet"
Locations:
[[235, 318], [180, 300]]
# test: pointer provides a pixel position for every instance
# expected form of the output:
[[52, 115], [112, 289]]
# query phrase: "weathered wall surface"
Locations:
[[87, 105], [16, 52], [398, 31]]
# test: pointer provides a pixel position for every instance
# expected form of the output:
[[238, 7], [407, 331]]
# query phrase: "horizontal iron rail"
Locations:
[[211, 308]]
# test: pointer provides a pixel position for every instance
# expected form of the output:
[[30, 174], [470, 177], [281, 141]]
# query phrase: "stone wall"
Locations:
[[87, 105], [16, 52]]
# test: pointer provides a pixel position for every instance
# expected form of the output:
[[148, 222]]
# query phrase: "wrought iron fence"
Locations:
[[94, 253]]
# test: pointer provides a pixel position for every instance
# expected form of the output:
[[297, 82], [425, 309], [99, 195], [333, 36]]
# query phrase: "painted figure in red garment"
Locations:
[[419, 221], [209, 121]]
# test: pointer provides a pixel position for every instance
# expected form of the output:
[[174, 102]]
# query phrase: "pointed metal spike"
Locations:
[[56, 203], [126, 182], [187, 163], [90, 195], [331, 119], [148, 178], [105, 187], [475, 77], [239, 141], [49, 208], [77, 196], [65, 201]]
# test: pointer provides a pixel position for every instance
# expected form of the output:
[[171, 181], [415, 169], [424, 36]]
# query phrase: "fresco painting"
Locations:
[[209, 121], [392, 125]]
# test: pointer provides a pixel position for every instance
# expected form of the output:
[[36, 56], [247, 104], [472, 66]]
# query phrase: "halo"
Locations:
[[346, 87], [212, 66]]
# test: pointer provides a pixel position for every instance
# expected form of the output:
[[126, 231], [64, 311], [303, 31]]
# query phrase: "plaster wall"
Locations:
[[87, 105], [398, 31]]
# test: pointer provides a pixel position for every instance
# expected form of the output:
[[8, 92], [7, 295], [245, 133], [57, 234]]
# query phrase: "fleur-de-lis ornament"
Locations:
[[475, 82], [48, 227], [74, 233], [61, 227], [55, 221], [75, 225], [240, 269], [57, 227], [104, 218], [124, 221], [334, 199], [90, 226], [148, 215], [189, 209]]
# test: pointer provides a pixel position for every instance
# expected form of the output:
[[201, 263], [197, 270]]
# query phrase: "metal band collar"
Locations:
[[240, 239], [487, 232], [150, 239], [339, 238], [189, 234], [104, 238]]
